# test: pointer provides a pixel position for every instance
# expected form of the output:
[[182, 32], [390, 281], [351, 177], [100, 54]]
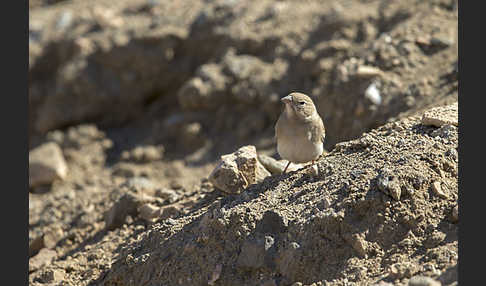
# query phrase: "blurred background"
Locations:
[[152, 92], [193, 73]]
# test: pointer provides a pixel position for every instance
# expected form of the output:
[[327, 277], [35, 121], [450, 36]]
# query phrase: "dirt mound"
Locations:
[[374, 213]]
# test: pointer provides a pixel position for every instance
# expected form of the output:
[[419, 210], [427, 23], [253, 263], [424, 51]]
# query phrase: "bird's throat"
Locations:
[[289, 111]]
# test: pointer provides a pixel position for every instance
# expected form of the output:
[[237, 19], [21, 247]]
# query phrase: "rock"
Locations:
[[373, 94], [441, 41], [149, 212], [440, 116], [277, 166], [238, 170], [434, 44], [368, 71], [271, 164], [389, 184], [170, 211], [46, 164], [127, 205], [50, 276], [437, 189], [43, 258], [423, 281], [168, 195], [455, 214], [52, 237]]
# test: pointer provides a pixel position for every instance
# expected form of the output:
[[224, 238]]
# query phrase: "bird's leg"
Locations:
[[311, 164], [286, 168]]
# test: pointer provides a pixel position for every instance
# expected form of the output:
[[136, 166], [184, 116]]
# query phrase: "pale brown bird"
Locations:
[[299, 130]]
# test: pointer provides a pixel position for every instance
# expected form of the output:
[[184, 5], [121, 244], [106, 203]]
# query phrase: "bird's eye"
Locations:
[[302, 102]]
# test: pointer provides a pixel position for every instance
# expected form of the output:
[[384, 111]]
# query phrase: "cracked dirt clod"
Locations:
[[238, 170]]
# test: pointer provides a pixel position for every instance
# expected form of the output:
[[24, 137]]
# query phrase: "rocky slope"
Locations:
[[143, 97], [382, 208]]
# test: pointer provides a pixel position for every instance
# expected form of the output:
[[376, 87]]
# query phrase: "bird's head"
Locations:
[[299, 105]]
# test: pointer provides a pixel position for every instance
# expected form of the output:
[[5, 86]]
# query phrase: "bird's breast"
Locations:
[[294, 144]]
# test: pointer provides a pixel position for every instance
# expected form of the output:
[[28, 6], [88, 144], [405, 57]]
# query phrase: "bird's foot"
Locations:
[[313, 170]]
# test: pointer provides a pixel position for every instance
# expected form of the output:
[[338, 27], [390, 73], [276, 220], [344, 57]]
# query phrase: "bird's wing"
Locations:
[[318, 132]]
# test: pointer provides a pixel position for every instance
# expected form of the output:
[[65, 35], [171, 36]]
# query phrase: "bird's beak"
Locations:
[[286, 99]]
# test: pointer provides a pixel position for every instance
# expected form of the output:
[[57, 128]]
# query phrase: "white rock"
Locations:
[[373, 94], [368, 71], [238, 170], [46, 164]]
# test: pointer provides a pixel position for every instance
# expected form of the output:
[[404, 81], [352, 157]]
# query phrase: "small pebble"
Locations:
[[373, 94], [437, 189]]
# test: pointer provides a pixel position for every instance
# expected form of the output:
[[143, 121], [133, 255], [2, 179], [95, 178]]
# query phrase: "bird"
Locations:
[[299, 130]]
